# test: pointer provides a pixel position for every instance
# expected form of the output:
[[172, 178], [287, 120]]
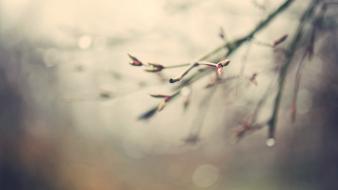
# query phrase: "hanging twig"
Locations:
[[284, 69]]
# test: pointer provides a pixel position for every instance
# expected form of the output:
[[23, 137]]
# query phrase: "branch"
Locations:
[[236, 44], [284, 69], [231, 48]]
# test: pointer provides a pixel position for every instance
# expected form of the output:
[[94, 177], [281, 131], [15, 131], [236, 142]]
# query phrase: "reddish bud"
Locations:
[[219, 69], [239, 132], [167, 99], [135, 61]]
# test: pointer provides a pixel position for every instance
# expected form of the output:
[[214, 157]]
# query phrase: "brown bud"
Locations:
[[253, 79], [224, 62], [158, 95], [280, 40]]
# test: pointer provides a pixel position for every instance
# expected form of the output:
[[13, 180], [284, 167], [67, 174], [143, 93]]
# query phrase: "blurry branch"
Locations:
[[259, 5], [198, 122], [230, 46], [317, 25], [152, 111], [251, 125], [216, 59], [310, 22], [296, 87], [290, 53]]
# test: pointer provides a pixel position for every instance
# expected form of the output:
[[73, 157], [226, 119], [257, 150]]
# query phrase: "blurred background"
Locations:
[[69, 100]]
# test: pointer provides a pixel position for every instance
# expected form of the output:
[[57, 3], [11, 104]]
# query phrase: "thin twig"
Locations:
[[296, 87], [177, 66]]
